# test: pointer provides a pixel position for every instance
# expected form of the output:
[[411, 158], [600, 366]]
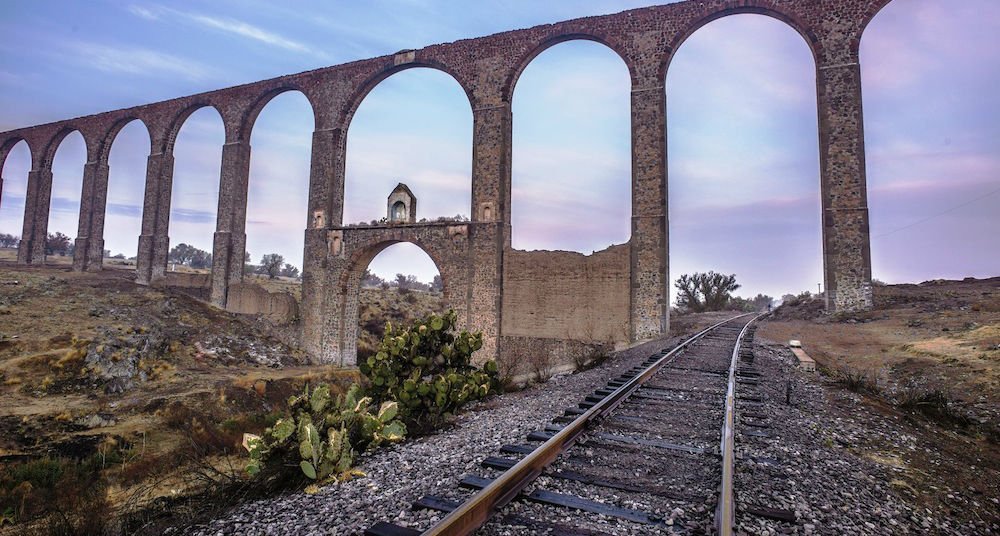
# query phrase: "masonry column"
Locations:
[[847, 268], [649, 309], [154, 243], [229, 244], [322, 299], [83, 237], [489, 233], [40, 214], [95, 249], [25, 249]]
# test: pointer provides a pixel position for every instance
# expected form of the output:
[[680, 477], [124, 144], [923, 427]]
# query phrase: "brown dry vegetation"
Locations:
[[932, 347], [76, 446]]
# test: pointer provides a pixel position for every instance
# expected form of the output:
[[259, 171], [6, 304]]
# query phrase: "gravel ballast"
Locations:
[[830, 458]]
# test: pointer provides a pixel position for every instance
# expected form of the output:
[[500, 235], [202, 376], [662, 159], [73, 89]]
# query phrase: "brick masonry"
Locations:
[[472, 266]]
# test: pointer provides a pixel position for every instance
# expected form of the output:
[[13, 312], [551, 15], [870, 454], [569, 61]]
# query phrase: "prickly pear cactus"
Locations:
[[428, 370], [322, 436]]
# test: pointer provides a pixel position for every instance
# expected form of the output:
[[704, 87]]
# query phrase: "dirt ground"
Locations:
[[95, 367], [936, 337], [928, 358]]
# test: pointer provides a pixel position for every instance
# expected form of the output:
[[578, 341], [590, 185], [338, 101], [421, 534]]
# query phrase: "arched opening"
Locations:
[[64, 204], [743, 157], [929, 76], [194, 196], [399, 211], [400, 296], [414, 127], [14, 172], [277, 200], [571, 150], [126, 186]]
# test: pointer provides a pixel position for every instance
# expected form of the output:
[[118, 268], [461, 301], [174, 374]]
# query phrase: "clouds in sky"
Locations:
[[742, 129]]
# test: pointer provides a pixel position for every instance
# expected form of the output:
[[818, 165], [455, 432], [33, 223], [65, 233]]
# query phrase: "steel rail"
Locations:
[[725, 511], [474, 512]]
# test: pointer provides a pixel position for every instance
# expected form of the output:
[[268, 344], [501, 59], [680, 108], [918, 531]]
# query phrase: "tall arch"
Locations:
[[571, 149], [930, 72], [438, 169], [124, 153], [67, 157], [15, 163], [196, 146], [753, 7], [278, 186], [744, 166]]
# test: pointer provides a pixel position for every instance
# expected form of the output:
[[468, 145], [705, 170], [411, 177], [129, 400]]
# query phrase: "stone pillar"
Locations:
[[650, 307], [847, 268], [489, 234], [83, 231], [229, 243], [154, 243], [95, 250], [25, 249], [322, 308], [40, 214]]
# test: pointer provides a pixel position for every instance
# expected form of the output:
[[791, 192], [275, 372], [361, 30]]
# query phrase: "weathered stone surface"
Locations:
[[249, 298], [488, 69]]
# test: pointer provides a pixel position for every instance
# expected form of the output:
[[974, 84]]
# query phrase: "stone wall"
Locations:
[[523, 357], [186, 280], [280, 308], [566, 295]]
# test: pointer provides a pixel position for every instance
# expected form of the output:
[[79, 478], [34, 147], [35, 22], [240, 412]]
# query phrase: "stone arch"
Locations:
[[510, 84], [708, 152], [355, 100], [363, 257], [296, 184], [49, 152], [593, 60], [109, 137], [869, 15], [178, 122], [350, 284], [741, 7], [8, 147], [103, 187], [347, 189], [252, 112]]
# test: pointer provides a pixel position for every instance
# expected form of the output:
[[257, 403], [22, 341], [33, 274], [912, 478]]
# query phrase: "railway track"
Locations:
[[650, 452]]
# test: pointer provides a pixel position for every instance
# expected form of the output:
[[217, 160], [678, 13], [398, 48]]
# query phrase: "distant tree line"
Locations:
[[403, 283], [9, 240]]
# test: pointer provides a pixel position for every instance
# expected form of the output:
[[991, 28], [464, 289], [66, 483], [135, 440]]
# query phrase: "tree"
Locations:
[[762, 302], [705, 292], [182, 253], [289, 271], [437, 285], [370, 280], [9, 240], [270, 265], [200, 259], [57, 244]]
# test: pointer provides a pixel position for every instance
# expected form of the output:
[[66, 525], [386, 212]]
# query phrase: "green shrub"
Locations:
[[428, 370], [322, 436]]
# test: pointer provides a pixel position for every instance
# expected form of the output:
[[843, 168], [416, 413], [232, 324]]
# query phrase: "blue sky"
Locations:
[[742, 143]]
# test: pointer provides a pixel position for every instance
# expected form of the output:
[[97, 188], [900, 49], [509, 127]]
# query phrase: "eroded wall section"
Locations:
[[567, 295]]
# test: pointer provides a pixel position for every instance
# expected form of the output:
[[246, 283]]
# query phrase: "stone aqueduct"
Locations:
[[514, 297]]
